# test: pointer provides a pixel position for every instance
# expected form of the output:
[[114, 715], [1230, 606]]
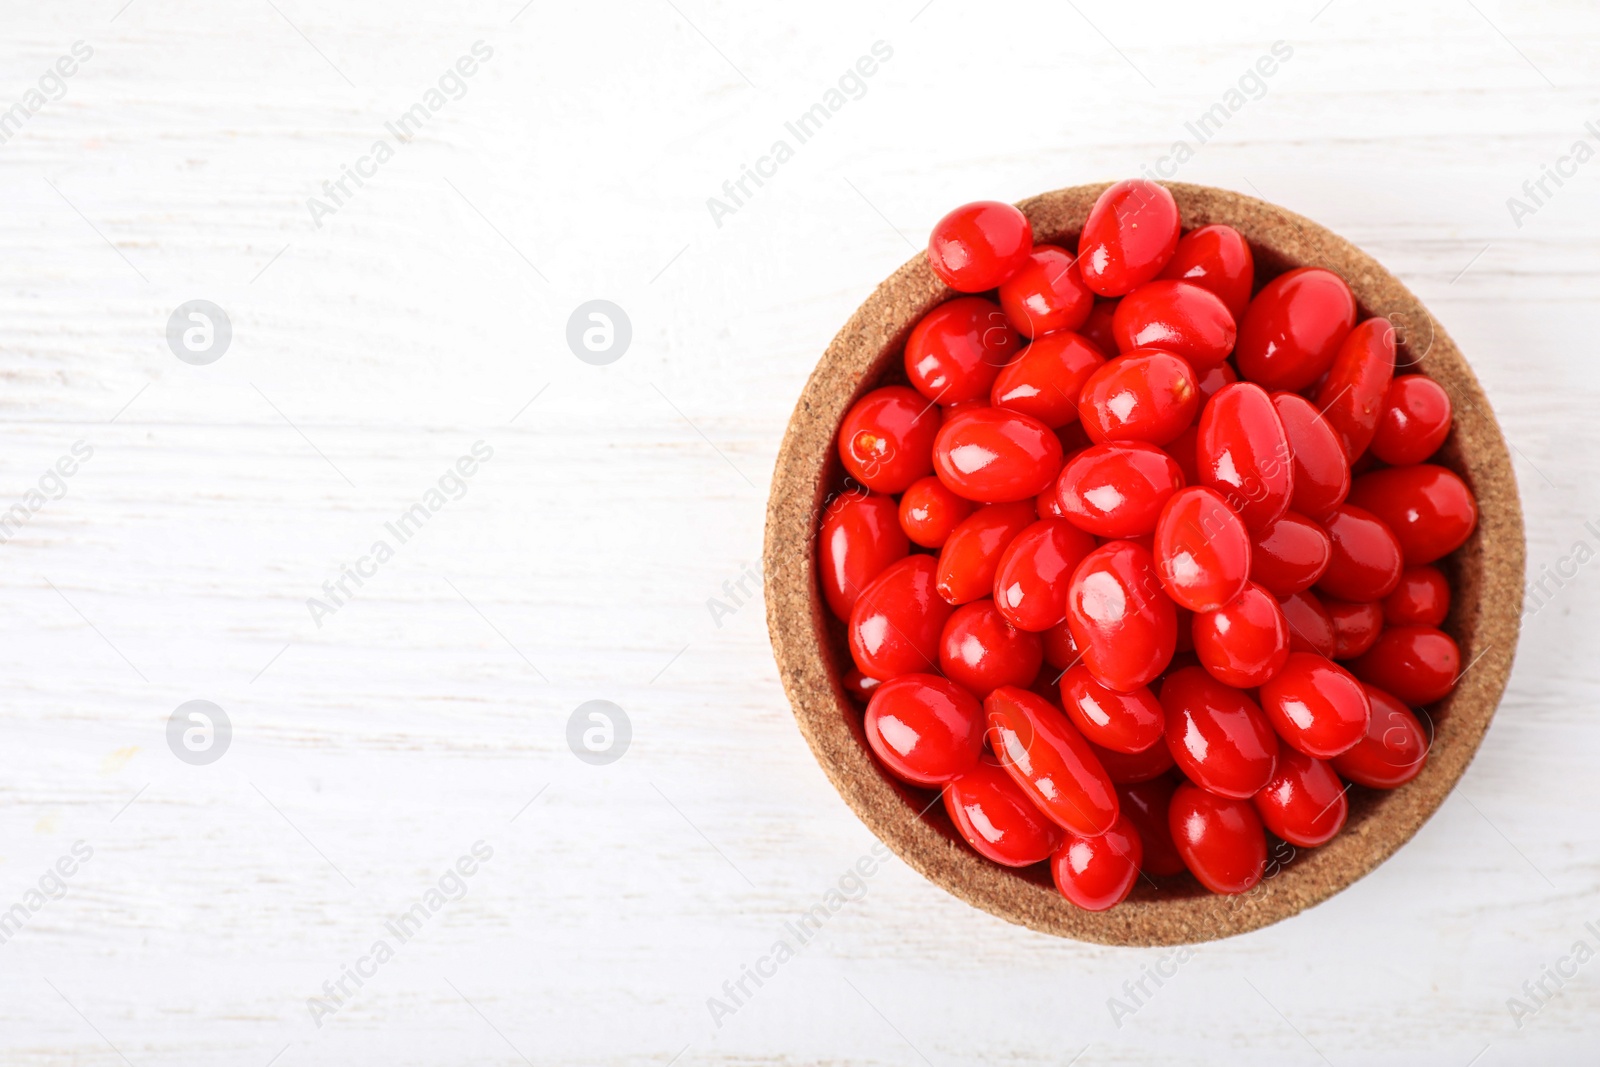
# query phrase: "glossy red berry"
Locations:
[[979, 245], [860, 538], [1097, 328], [1176, 317], [1421, 599], [926, 729], [1129, 236], [1351, 396], [994, 456], [1123, 722], [1394, 749], [1310, 628], [1289, 554], [1216, 258], [1316, 706], [1035, 572], [1305, 802], [1244, 642], [1060, 650], [1414, 421], [1321, 473], [1046, 294], [1052, 762], [971, 554], [930, 512], [1117, 489], [1124, 624], [1356, 625], [1210, 381], [956, 350], [1220, 839], [1293, 329], [1219, 737], [981, 651], [1143, 395], [1127, 768], [1364, 562], [886, 438], [1181, 448], [1202, 550], [995, 817], [858, 686], [1046, 379], [896, 622], [1144, 805], [1097, 873], [1429, 509], [1417, 664], [1242, 452]]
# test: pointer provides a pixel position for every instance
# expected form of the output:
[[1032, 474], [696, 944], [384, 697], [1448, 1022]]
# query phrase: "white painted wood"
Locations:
[[423, 316]]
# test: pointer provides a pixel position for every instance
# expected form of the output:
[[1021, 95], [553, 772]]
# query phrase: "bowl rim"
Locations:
[[1487, 591]]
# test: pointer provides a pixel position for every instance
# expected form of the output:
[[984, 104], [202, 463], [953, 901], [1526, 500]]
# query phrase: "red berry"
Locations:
[[993, 456], [997, 819], [1321, 473], [1182, 448], [1035, 571], [1123, 722], [1414, 421], [1418, 664], [1216, 258], [895, 624], [1220, 839], [1144, 805], [1143, 395], [1176, 317], [1364, 562], [971, 554], [1393, 750], [1124, 624], [859, 687], [1060, 651], [955, 350], [886, 438], [1244, 642], [1211, 380], [981, 651], [1310, 628], [1293, 328], [1117, 489], [1219, 737], [1202, 550], [930, 512], [1289, 554], [1097, 329], [1421, 599], [1351, 396], [1242, 452], [1052, 762], [977, 246], [1046, 379], [1356, 626], [1130, 234], [860, 538], [1047, 293], [1305, 802], [1096, 873], [1316, 705], [1127, 768], [1429, 509], [926, 729]]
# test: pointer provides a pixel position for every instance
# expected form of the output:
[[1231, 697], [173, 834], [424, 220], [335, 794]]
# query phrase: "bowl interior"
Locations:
[[809, 643]]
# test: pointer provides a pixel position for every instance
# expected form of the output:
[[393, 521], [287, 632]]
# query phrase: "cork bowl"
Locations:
[[809, 644]]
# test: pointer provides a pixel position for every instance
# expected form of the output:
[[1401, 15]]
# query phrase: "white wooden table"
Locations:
[[428, 311]]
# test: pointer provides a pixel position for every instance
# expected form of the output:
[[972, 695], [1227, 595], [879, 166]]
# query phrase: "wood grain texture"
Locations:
[[415, 322]]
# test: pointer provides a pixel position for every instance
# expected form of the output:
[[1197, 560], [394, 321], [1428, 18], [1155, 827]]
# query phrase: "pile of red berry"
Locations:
[[1139, 567]]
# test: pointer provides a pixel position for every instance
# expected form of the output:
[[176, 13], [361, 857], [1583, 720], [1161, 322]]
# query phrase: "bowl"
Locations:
[[1486, 575]]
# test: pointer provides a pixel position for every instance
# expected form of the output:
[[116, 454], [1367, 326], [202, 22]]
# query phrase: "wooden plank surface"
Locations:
[[430, 711]]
